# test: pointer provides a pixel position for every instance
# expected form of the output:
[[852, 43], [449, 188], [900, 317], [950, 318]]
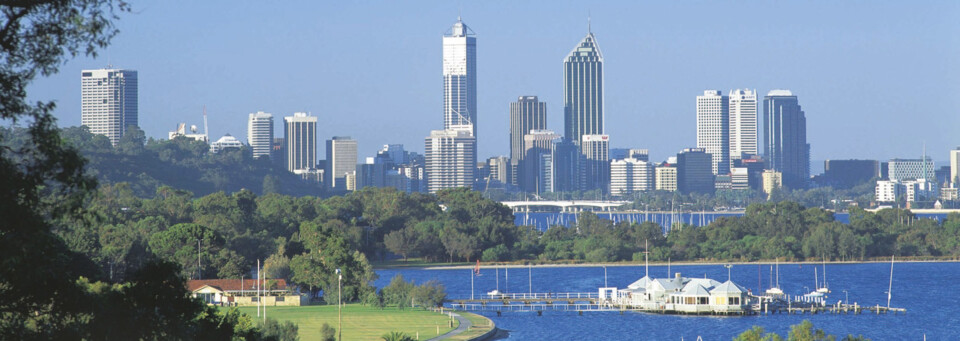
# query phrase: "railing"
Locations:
[[532, 296]]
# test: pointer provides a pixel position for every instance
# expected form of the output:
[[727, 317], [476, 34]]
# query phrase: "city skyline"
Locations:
[[639, 93]]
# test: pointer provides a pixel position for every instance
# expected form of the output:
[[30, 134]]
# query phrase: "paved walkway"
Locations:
[[464, 325]]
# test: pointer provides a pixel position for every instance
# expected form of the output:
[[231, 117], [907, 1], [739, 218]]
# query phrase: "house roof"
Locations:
[[694, 289], [640, 283], [728, 287], [234, 284]]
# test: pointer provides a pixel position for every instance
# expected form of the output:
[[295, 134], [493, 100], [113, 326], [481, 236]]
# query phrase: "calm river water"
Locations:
[[929, 291]]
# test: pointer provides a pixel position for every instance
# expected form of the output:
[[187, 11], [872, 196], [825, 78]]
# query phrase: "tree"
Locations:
[[757, 333], [396, 336], [805, 332], [402, 241], [328, 333]]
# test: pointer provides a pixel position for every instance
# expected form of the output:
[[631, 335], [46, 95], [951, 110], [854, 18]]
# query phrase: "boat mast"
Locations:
[[890, 287]]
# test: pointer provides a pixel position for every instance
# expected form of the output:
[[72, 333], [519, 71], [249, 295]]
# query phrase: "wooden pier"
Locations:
[[583, 301]]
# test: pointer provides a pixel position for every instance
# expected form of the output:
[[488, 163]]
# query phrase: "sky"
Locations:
[[877, 79]]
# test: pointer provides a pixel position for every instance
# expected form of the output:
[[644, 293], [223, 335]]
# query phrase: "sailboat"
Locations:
[[476, 270], [824, 289], [775, 290]]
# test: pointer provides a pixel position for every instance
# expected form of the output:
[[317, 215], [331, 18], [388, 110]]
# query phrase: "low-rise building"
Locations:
[[236, 292], [771, 179]]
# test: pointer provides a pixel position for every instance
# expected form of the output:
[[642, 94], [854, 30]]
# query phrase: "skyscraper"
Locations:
[[341, 161], [567, 166], [460, 77], [450, 159], [713, 129], [955, 167], [526, 114], [300, 134], [583, 90], [785, 138], [260, 133], [743, 123], [108, 101]]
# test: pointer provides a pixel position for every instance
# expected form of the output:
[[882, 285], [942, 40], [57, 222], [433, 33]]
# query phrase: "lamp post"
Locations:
[[339, 307], [846, 297], [728, 266]]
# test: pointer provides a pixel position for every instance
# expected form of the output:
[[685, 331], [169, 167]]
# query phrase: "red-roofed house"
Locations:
[[238, 293]]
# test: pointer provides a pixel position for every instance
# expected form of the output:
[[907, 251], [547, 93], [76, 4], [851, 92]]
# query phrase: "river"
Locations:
[[926, 290]]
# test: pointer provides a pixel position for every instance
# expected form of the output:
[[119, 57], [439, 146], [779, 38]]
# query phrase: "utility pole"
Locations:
[[199, 273], [339, 307]]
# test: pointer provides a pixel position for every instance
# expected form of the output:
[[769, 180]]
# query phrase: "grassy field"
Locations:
[[359, 322]]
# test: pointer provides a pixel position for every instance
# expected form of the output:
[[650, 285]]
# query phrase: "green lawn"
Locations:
[[359, 322]]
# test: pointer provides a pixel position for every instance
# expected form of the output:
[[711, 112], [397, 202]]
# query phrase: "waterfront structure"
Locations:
[[583, 90], [535, 144], [743, 123], [694, 171], [771, 180], [685, 295], [666, 177], [341, 161], [844, 174], [631, 175], [596, 162], [182, 131], [713, 129], [300, 134], [260, 133], [451, 159], [109, 102], [911, 169], [460, 77], [785, 144], [225, 142]]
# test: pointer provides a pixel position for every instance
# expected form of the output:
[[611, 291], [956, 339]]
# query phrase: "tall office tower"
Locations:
[[260, 133], [583, 90], [631, 175], [693, 171], [341, 160], [108, 101], [451, 159], [567, 166], [460, 77], [596, 163], [526, 114], [955, 167], [713, 129], [396, 153], [743, 123], [300, 134], [535, 145], [785, 138]]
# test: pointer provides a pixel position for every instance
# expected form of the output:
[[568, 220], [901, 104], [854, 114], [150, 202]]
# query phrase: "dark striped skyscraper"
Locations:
[[785, 138], [583, 90]]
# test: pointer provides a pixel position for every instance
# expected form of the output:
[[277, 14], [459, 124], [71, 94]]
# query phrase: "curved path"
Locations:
[[464, 325]]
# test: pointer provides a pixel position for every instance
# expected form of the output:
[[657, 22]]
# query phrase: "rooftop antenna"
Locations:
[[205, 131], [588, 22]]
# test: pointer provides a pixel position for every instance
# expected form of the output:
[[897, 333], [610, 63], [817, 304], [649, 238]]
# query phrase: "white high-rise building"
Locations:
[[743, 123], [713, 129], [955, 167], [460, 77], [109, 101], [631, 175], [341, 161], [300, 135], [887, 190], [911, 169], [450, 159], [260, 133]]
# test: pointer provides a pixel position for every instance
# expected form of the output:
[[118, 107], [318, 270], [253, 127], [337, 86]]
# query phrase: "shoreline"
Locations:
[[685, 263]]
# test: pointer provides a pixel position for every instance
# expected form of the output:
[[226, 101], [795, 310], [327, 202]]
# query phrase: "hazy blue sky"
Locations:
[[875, 78]]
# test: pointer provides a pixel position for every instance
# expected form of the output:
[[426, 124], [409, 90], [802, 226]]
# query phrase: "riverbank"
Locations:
[[705, 262]]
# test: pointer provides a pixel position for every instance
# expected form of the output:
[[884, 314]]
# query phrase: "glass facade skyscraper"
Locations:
[[785, 138], [460, 77]]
